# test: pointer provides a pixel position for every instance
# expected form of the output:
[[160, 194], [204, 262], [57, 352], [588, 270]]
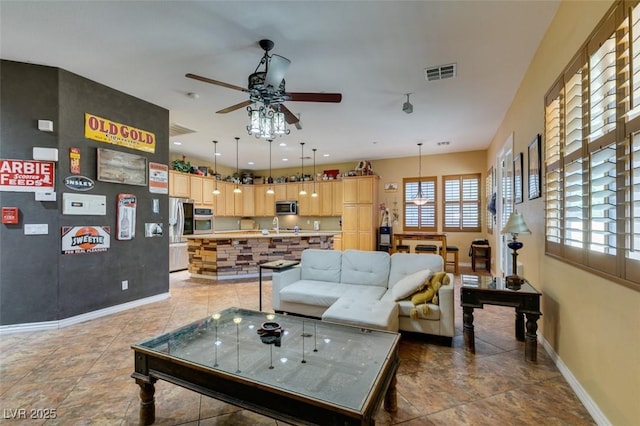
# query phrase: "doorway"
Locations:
[[504, 205]]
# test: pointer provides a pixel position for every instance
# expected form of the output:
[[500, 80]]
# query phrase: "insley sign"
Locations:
[[27, 176], [103, 130]]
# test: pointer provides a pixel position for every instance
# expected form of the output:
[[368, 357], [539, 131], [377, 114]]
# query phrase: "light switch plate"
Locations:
[[36, 229]]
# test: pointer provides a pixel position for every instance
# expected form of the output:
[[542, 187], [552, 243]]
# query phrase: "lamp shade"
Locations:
[[515, 225]]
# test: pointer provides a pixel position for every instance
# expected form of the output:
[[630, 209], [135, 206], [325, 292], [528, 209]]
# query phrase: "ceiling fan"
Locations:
[[268, 86]]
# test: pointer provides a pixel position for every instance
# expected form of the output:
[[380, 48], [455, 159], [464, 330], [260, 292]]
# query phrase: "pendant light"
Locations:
[[237, 189], [420, 199], [270, 179], [302, 191], [216, 191], [314, 193]]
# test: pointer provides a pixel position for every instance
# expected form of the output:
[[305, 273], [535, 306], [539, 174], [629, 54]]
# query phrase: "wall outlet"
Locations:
[[125, 284]]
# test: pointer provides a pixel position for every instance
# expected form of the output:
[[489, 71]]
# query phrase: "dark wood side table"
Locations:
[[481, 253], [275, 265], [477, 291]]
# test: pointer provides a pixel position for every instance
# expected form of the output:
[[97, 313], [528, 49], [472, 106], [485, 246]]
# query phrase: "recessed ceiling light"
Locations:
[[177, 143], [251, 163], [326, 155], [217, 153], [193, 95], [285, 159], [283, 144]]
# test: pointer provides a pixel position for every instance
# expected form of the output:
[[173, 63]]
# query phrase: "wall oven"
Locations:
[[202, 221]]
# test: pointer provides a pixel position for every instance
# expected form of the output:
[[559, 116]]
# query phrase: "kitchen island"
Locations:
[[237, 254]]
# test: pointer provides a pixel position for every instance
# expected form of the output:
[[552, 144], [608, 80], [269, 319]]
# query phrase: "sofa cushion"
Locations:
[[403, 264], [369, 268], [323, 293], [321, 265], [410, 284]]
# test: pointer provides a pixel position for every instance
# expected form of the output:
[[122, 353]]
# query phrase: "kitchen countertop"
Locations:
[[258, 234]]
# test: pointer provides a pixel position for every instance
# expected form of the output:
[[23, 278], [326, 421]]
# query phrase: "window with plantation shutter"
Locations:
[[603, 200], [602, 87], [592, 153], [574, 214], [420, 218], [553, 183], [461, 203]]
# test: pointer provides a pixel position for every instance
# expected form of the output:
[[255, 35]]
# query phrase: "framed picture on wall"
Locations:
[[517, 179], [534, 168], [121, 167]]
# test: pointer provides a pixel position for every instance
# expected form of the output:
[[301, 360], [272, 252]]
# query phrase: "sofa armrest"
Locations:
[[447, 308], [281, 279]]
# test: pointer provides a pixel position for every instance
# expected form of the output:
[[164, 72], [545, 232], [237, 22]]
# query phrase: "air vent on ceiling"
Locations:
[[440, 72], [178, 130]]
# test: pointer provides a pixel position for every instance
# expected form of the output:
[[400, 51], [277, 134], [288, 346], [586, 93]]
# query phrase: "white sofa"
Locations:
[[325, 277]]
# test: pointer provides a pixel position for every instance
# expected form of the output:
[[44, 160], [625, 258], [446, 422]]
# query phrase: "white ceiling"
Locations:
[[373, 52]]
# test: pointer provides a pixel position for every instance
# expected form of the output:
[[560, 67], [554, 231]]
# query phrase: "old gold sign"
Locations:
[[103, 130], [78, 183]]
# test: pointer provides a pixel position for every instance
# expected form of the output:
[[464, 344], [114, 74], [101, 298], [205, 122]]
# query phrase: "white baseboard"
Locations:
[[583, 396], [53, 325]]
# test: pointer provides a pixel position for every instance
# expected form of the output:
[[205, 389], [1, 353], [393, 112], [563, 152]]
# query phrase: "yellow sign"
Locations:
[[103, 130]]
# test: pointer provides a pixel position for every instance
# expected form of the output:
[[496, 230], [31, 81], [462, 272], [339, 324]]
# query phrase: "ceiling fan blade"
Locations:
[[216, 82], [289, 117], [278, 66], [234, 107], [314, 97]]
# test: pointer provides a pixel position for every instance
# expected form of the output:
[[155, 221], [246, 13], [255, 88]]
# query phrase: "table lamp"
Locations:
[[515, 225]]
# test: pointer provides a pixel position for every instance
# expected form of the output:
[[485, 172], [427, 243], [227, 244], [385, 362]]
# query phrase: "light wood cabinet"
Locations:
[[196, 189], [293, 191], [359, 212], [229, 199], [247, 201], [325, 198], [179, 184], [281, 191], [219, 204], [207, 191], [337, 242], [338, 200]]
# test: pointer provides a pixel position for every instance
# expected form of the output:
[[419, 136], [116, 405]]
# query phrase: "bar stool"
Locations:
[[426, 248], [401, 248], [454, 251]]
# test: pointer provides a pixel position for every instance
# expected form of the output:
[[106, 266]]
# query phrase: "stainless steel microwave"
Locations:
[[286, 207]]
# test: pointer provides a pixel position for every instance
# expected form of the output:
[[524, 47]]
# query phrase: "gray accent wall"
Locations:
[[37, 282]]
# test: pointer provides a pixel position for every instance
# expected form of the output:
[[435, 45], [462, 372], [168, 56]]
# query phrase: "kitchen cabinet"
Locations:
[[281, 191], [293, 191], [195, 190], [359, 212], [245, 201], [179, 184], [219, 200], [207, 191], [325, 198], [337, 197], [264, 203]]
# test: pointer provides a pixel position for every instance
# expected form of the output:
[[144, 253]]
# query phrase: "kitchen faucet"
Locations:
[[276, 223]]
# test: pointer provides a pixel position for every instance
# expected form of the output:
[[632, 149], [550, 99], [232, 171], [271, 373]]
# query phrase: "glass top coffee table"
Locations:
[[295, 369]]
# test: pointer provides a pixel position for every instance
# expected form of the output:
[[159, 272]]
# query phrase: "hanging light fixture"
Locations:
[[270, 179], [266, 121], [237, 189], [314, 193], [302, 191], [216, 191], [420, 199]]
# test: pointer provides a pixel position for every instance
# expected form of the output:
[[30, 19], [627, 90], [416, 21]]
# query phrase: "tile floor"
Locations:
[[83, 371]]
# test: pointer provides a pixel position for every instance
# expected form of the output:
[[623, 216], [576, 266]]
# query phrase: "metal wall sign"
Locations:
[[79, 183], [85, 239], [27, 176]]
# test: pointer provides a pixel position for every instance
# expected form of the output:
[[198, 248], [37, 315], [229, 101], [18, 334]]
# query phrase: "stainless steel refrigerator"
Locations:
[[180, 224]]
